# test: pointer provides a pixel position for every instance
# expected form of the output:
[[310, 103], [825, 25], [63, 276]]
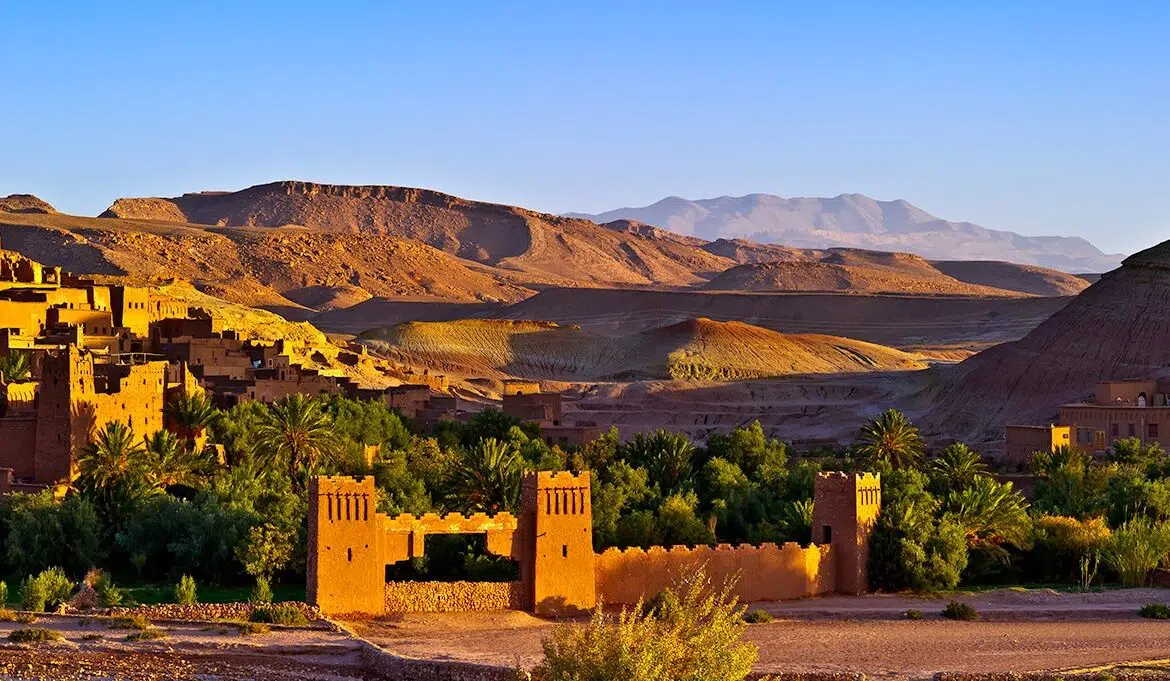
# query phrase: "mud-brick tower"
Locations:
[[845, 510], [558, 519], [346, 570]]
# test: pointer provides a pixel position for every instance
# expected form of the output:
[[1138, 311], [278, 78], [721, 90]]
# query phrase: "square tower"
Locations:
[[560, 566], [845, 510], [346, 570]]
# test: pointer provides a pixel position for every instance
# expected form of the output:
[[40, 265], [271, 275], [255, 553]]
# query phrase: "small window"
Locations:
[[349, 555], [827, 533], [1113, 429], [1152, 430], [1132, 430], [564, 550]]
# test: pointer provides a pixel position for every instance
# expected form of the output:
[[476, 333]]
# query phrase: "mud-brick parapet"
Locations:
[[451, 523]]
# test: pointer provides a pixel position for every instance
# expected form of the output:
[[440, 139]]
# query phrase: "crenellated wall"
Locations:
[[552, 540], [762, 573]]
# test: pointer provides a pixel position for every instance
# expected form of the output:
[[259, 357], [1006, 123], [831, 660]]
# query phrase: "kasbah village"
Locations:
[[81, 355]]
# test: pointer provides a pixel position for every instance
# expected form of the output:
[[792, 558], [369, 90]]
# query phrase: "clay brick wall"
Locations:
[[763, 573], [454, 596], [29, 318], [845, 510], [558, 516], [1024, 441], [19, 435]]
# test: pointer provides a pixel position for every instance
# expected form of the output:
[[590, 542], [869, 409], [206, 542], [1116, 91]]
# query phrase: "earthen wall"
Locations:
[[454, 596]]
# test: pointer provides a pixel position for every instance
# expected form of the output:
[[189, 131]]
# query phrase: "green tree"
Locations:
[[265, 550], [114, 456], [911, 546], [15, 367], [488, 478], [171, 464], [891, 438], [298, 434], [956, 467], [191, 414], [1132, 451], [761, 458], [668, 458], [1135, 548], [991, 514]]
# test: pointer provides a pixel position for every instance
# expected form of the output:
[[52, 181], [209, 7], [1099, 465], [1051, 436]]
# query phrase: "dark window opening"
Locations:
[[827, 531], [564, 550], [454, 558], [349, 554]]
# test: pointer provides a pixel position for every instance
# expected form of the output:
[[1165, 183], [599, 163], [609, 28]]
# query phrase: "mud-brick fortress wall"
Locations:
[[350, 545], [760, 573]]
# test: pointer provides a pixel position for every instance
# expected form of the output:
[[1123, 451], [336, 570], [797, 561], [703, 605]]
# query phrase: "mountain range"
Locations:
[[858, 221]]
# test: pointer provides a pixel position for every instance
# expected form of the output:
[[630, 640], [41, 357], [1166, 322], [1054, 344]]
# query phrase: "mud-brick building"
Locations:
[[350, 545], [526, 401], [45, 424]]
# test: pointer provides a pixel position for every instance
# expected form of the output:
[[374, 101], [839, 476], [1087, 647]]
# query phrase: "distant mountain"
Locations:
[[857, 221]]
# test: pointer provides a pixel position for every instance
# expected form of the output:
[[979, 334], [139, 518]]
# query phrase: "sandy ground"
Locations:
[[93, 650], [1020, 631]]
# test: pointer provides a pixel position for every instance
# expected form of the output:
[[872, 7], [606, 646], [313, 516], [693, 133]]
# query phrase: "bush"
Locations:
[[7, 615], [251, 628], [1136, 548], [185, 591], [913, 614], [133, 622], [58, 586], [150, 634], [957, 610], [757, 617], [700, 639], [262, 592], [32, 595], [281, 613], [26, 617], [1155, 611], [108, 595], [33, 635], [3, 593]]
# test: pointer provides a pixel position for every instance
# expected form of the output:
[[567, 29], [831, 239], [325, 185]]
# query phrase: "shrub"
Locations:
[[957, 610], [700, 639], [757, 617], [661, 606], [1136, 548], [92, 637], [252, 628], [150, 634], [913, 614], [3, 593], [1155, 611], [7, 615], [186, 591], [262, 592], [33, 635], [281, 613], [133, 622], [26, 617], [108, 594], [32, 594]]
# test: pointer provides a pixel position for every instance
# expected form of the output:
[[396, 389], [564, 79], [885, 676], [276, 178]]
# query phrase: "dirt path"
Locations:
[[1035, 630]]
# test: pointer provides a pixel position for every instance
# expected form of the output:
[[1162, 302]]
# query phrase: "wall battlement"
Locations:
[[552, 539]]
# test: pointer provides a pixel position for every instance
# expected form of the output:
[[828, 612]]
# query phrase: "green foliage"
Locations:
[[697, 640], [958, 610], [262, 592], [1060, 544], [3, 593], [137, 622], [1136, 547], [33, 595], [251, 628], [266, 549], [56, 586], [911, 546], [913, 614], [42, 532], [170, 463], [297, 434], [891, 438], [956, 468], [677, 523], [1155, 611], [757, 617], [281, 613], [192, 413], [366, 421], [991, 514], [488, 478], [15, 367], [151, 634], [1132, 451], [108, 594], [186, 591], [34, 635], [667, 457]]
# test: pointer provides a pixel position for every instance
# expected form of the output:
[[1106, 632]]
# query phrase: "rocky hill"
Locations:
[[695, 349], [547, 247], [857, 221], [1040, 281], [1114, 329], [24, 203]]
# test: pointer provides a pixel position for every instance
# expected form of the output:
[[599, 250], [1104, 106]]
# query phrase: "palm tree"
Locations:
[[797, 520], [668, 458], [190, 414], [956, 467], [171, 463], [891, 438], [992, 515], [488, 478], [297, 432], [114, 456], [15, 367]]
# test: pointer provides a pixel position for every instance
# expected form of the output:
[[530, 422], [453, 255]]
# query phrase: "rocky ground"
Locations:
[[1019, 631]]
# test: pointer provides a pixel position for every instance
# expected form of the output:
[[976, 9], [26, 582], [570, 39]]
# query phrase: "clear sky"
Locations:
[[1038, 117]]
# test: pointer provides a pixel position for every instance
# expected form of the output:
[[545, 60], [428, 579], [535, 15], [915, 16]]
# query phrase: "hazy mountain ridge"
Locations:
[[858, 221]]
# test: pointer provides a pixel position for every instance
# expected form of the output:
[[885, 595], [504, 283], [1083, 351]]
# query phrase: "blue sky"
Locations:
[[1042, 118]]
